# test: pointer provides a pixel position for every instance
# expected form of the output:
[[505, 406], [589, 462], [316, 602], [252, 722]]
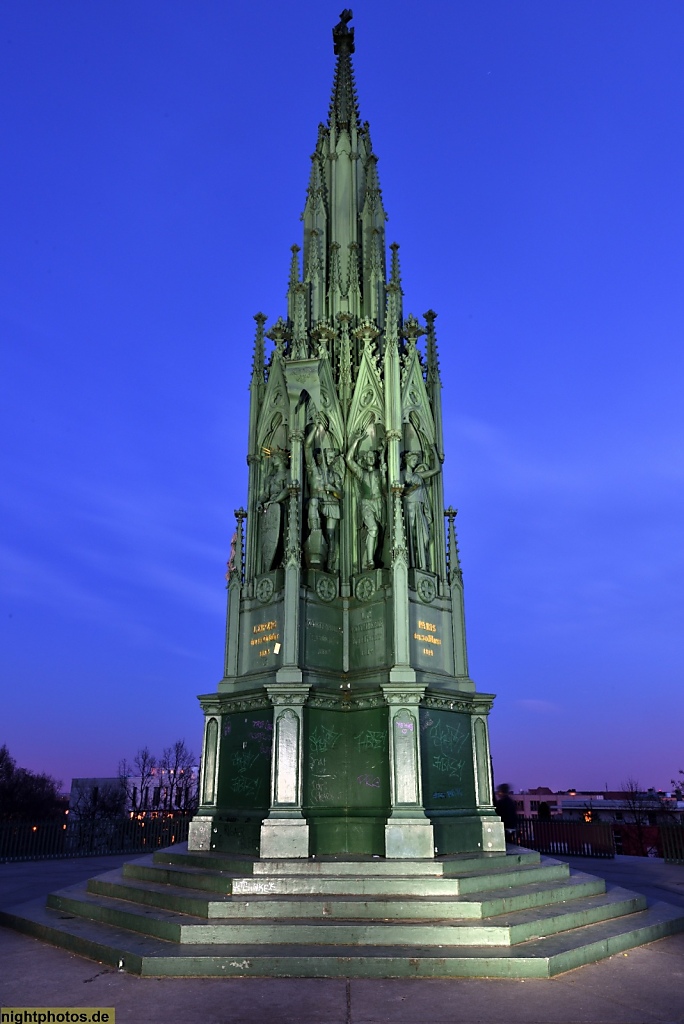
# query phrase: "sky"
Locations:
[[154, 166]]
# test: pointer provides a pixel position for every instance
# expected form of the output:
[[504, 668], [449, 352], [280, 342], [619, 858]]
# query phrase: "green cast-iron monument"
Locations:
[[346, 826], [346, 721]]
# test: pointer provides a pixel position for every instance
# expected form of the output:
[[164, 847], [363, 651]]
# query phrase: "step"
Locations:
[[471, 906], [205, 860], [539, 894], [452, 930], [379, 866], [352, 885], [185, 877], [152, 957], [397, 885]]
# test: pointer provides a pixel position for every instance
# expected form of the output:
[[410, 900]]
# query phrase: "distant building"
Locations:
[[651, 807], [159, 793]]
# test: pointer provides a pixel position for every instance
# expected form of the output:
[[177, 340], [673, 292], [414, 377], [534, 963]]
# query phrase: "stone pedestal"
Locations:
[[285, 833], [409, 838], [281, 838]]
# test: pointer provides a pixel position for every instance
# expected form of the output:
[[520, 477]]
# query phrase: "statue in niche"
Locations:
[[270, 505], [419, 516], [370, 471], [325, 473]]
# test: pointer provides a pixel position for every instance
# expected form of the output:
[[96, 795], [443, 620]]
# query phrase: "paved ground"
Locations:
[[643, 986]]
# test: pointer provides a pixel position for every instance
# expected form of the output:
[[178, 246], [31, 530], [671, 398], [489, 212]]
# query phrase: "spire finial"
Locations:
[[344, 110], [343, 37], [432, 354], [258, 359], [395, 274]]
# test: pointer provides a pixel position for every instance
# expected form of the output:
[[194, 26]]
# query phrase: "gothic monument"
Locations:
[[346, 721]]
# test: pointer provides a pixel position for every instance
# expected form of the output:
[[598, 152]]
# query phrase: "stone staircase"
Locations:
[[514, 915]]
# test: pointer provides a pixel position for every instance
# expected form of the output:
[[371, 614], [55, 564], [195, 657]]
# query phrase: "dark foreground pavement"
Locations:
[[642, 986]]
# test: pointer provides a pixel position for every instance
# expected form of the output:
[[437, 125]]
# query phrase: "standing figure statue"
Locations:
[[418, 508], [270, 499], [370, 472], [325, 478]]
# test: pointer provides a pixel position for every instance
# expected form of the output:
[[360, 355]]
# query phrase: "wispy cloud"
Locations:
[[599, 465], [539, 707]]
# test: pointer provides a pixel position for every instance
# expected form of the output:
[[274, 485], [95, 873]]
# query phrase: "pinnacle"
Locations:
[[343, 37], [395, 275], [344, 108]]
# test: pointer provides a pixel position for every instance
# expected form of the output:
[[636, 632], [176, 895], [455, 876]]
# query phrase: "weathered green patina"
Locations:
[[346, 721]]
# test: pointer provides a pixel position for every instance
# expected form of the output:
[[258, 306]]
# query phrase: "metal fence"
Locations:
[[672, 837], [52, 839], [572, 838]]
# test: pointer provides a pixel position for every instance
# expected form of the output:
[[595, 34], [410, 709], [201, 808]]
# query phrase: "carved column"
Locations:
[[408, 832], [457, 604], [401, 671], [200, 831], [493, 836], [285, 832], [235, 581]]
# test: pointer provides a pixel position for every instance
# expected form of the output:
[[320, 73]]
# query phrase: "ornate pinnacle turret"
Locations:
[[293, 281], [314, 191], [258, 358], [279, 335], [395, 282], [344, 104], [353, 290], [300, 347], [432, 354], [393, 315], [454, 561], [395, 273], [335, 284], [412, 330], [345, 360]]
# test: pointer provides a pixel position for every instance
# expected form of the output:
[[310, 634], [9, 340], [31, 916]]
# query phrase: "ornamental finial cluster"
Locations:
[[343, 37]]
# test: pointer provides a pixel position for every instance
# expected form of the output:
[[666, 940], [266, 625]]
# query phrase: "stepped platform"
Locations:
[[181, 914]]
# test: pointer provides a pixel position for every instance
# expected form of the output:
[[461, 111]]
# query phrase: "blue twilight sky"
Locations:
[[154, 166]]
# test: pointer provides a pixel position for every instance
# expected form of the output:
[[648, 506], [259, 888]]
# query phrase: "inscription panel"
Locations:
[[245, 779], [447, 760], [322, 629], [261, 638], [346, 761], [430, 638], [367, 636]]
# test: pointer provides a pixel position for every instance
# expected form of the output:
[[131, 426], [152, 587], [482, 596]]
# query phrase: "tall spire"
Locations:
[[344, 108], [344, 220]]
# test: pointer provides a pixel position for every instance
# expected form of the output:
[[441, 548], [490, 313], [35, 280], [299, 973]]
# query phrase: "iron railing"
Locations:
[[570, 838], [53, 839], [672, 837]]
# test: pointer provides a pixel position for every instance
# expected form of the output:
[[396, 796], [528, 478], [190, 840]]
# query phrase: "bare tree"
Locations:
[[176, 765], [144, 768], [96, 802], [642, 807], [639, 804]]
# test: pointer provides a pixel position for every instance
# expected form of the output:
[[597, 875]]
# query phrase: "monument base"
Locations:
[[214, 832], [409, 838], [469, 834], [351, 834], [284, 837]]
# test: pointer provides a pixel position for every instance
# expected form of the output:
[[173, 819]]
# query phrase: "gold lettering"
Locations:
[[426, 650], [427, 638], [262, 627], [429, 626], [264, 639]]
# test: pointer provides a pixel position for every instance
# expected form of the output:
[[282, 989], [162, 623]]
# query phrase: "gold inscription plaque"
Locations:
[[267, 634]]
